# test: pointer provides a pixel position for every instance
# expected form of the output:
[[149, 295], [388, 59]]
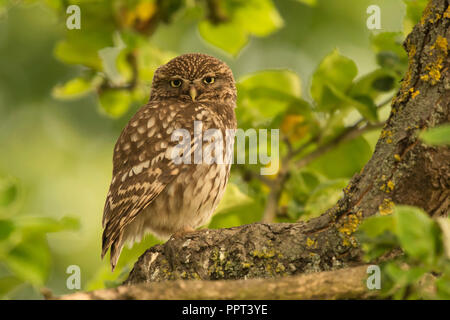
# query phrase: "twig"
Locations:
[[248, 175], [348, 134], [131, 58], [277, 188], [216, 14]]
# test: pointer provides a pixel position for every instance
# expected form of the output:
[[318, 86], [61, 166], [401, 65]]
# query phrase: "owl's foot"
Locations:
[[182, 232]]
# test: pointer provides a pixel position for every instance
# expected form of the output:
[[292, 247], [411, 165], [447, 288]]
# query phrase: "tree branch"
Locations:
[[341, 284], [348, 134]]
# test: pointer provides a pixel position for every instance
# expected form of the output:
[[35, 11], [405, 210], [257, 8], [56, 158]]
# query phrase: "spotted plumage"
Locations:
[[150, 190]]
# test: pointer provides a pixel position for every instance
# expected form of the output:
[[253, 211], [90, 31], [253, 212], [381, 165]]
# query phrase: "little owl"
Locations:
[[150, 191]]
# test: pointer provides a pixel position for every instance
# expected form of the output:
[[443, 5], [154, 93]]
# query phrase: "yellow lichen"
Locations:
[[387, 187], [386, 134], [350, 224], [441, 43], [447, 13], [440, 49], [346, 242], [390, 185], [414, 93], [435, 71], [386, 208], [279, 268], [412, 52], [265, 254], [310, 243], [426, 13]]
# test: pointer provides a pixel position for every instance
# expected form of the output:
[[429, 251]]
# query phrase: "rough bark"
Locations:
[[340, 284], [402, 170]]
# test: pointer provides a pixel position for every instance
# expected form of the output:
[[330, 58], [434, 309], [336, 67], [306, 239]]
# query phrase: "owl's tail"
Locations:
[[116, 246]]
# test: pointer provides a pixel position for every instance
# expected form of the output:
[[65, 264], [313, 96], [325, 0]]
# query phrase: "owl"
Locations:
[[157, 186]]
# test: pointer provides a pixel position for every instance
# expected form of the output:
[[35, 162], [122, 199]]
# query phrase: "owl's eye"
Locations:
[[208, 80], [175, 83]]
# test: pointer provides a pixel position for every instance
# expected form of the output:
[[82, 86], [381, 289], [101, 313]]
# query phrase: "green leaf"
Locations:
[[388, 42], [374, 83], [232, 197], [301, 184], [245, 18], [247, 212], [110, 60], [332, 80], [443, 287], [73, 89], [324, 197], [439, 135], [265, 94], [404, 276], [308, 2], [377, 236], [377, 225], [115, 102], [41, 225], [229, 37], [82, 48], [391, 55], [7, 284], [414, 10], [283, 81], [365, 106], [258, 17], [8, 192], [385, 83], [30, 260], [418, 233], [6, 228], [344, 160]]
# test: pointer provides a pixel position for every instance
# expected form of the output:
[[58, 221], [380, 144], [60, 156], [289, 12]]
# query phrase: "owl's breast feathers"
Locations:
[[143, 163]]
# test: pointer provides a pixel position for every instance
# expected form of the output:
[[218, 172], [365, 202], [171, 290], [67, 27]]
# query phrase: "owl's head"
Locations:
[[194, 77]]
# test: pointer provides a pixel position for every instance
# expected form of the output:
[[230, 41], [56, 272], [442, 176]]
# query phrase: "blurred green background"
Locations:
[[56, 139]]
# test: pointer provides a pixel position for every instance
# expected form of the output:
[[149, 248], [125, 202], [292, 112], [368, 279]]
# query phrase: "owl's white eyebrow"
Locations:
[[210, 74], [177, 78]]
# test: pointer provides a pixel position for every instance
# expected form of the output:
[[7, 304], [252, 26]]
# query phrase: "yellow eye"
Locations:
[[175, 83], [208, 80]]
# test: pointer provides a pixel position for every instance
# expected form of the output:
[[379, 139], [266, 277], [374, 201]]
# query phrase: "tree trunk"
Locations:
[[402, 170]]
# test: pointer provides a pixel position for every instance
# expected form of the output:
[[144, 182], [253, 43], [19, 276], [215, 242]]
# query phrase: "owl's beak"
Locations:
[[193, 92]]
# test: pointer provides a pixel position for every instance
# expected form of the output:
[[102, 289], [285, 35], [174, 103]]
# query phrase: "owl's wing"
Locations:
[[143, 166]]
